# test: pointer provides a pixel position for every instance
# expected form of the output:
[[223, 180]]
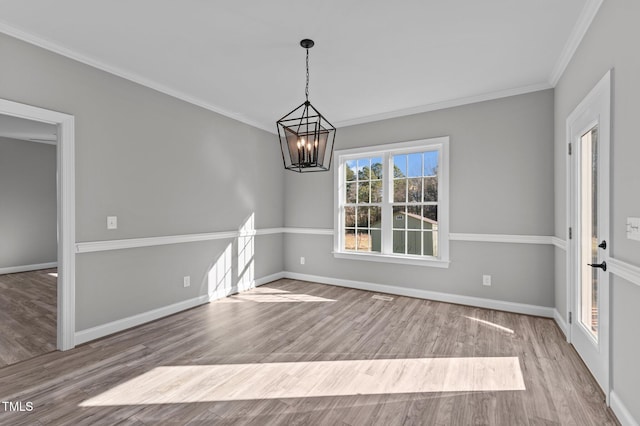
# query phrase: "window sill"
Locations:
[[387, 258]]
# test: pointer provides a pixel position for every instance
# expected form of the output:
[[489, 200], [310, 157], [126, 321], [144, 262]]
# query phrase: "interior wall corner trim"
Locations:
[[500, 305], [622, 412], [624, 270]]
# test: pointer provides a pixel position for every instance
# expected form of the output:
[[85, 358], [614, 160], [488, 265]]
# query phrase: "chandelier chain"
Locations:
[[306, 90]]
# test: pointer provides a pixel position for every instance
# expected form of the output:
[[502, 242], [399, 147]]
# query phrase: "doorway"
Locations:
[[65, 183], [28, 231], [588, 132]]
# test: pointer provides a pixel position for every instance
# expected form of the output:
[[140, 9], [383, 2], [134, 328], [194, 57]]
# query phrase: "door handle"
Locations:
[[602, 265]]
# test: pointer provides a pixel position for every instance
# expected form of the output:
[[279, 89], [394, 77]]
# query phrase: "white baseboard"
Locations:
[[519, 308], [99, 331], [621, 411], [27, 268], [561, 322], [269, 278], [135, 320], [240, 287]]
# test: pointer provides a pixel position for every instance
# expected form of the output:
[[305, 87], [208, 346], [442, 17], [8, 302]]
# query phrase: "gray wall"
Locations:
[[163, 166], [611, 42], [501, 182], [27, 203]]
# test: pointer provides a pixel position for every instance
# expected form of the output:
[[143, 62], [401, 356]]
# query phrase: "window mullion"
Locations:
[[341, 199], [387, 211]]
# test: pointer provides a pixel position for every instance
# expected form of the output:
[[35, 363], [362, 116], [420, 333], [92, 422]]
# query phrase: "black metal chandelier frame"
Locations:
[[306, 136]]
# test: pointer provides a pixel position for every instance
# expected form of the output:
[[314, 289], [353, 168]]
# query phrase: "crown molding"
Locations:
[[589, 12], [27, 37], [445, 104], [584, 21], [136, 78]]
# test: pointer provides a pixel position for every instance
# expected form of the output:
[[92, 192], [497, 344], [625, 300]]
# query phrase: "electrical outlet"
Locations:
[[302, 260], [186, 281], [112, 222], [486, 280]]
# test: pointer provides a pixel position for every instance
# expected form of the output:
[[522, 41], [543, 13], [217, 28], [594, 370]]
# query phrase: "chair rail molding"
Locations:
[[128, 243], [624, 270]]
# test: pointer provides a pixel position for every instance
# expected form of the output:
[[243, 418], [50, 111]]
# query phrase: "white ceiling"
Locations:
[[373, 59], [20, 128]]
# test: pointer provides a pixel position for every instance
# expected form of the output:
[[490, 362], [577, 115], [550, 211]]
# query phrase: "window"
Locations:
[[392, 203]]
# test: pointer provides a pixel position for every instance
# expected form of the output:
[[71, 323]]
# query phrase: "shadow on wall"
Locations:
[[220, 280]]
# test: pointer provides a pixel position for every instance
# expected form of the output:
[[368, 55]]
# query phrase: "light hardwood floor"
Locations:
[[298, 353], [28, 309]]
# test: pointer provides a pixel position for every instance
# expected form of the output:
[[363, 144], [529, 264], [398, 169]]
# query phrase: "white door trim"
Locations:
[[596, 104], [66, 211]]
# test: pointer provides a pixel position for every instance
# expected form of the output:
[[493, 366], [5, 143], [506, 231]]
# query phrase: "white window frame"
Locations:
[[387, 151]]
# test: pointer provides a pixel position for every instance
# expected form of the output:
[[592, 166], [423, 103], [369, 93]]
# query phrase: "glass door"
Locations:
[[589, 255], [587, 246]]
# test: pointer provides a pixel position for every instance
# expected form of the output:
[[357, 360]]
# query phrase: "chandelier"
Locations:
[[306, 137]]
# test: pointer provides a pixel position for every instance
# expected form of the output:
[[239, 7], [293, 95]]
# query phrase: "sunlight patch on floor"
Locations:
[[231, 382], [53, 274], [491, 324]]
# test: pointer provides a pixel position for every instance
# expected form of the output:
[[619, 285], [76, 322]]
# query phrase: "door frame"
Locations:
[[597, 104], [65, 166]]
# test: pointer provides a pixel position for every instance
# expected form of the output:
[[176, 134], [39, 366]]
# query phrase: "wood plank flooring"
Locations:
[[298, 353], [28, 310]]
